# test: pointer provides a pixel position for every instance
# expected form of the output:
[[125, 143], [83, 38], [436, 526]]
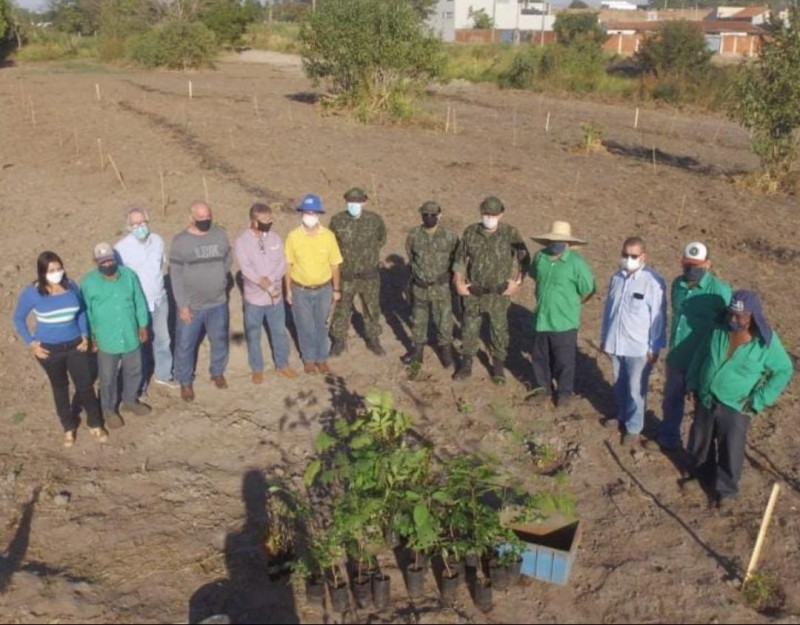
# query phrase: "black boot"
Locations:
[[498, 374], [374, 345], [465, 370], [446, 356], [337, 348], [414, 360]]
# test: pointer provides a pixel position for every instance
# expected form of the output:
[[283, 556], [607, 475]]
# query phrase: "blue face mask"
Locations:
[[554, 248], [141, 231], [354, 208]]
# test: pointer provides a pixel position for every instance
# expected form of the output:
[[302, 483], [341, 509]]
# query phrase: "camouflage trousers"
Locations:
[[433, 301], [369, 290], [495, 307]]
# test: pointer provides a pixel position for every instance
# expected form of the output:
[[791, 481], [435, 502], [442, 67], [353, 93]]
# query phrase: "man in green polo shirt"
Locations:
[[564, 281], [698, 300], [740, 367], [118, 320]]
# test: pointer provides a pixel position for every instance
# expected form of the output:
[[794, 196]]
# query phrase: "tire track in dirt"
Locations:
[[208, 158]]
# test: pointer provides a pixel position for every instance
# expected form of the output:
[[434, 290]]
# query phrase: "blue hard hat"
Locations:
[[311, 203]]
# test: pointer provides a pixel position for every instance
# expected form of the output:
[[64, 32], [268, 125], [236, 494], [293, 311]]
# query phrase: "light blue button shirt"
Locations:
[[146, 259], [635, 315]]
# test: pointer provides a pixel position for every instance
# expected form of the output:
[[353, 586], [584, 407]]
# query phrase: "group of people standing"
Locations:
[[722, 352]]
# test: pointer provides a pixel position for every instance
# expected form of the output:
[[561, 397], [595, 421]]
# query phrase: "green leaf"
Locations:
[[311, 472], [373, 397], [421, 515], [18, 417], [361, 441], [324, 442]]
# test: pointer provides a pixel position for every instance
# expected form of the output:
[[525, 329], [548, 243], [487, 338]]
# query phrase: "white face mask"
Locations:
[[55, 277], [490, 221], [310, 221], [630, 264], [354, 208]]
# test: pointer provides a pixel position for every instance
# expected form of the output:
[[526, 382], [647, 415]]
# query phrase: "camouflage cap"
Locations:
[[356, 194], [492, 206], [430, 208]]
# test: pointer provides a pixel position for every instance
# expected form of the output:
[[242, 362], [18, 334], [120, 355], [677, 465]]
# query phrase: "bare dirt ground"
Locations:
[[131, 530]]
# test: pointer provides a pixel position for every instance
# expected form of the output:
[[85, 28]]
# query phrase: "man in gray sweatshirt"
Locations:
[[199, 269]]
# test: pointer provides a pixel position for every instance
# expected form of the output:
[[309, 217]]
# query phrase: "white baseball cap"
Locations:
[[696, 251]]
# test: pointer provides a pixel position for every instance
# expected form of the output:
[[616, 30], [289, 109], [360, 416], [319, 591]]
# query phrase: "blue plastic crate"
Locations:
[[551, 549]]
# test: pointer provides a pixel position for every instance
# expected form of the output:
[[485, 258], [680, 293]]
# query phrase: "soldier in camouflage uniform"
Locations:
[[361, 234], [430, 249], [489, 265]]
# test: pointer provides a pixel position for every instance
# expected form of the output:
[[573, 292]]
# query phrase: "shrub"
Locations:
[[227, 19], [481, 20], [677, 49], [175, 45], [572, 28], [375, 55], [6, 34], [522, 73]]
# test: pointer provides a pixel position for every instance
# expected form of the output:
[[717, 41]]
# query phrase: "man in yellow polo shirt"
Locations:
[[312, 282]]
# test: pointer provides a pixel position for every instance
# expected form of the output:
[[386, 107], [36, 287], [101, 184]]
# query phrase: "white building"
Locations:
[[619, 5], [508, 16]]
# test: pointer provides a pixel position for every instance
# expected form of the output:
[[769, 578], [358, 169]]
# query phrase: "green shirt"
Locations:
[[752, 378], [695, 312], [430, 254], [116, 309], [486, 259], [360, 240], [561, 285]]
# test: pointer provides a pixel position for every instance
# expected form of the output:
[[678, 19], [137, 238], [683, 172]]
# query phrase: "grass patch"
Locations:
[[763, 593], [276, 37], [478, 62], [55, 46], [18, 417]]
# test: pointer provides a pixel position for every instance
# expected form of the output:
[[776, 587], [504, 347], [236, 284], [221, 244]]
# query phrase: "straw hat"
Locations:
[[559, 231]]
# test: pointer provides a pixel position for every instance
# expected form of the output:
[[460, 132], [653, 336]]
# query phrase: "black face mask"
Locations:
[[735, 326], [693, 273], [109, 269], [554, 248], [430, 221], [262, 227], [203, 225]]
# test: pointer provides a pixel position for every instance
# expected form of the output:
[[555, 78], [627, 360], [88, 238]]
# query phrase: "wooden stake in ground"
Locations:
[[23, 101], [33, 113], [514, 137], [163, 193], [680, 211], [102, 156], [762, 532], [547, 124], [375, 191], [118, 173], [455, 122], [654, 159], [255, 106], [97, 91], [447, 121], [190, 90], [636, 119], [205, 188], [75, 134]]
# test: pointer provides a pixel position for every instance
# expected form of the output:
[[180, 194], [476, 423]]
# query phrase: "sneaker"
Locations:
[[498, 372], [287, 372], [219, 381], [337, 348], [323, 367], [100, 434], [610, 424], [310, 368], [257, 377], [629, 439], [465, 370], [690, 486], [113, 421], [538, 398], [564, 402], [139, 409], [374, 345], [187, 393], [172, 384], [69, 439]]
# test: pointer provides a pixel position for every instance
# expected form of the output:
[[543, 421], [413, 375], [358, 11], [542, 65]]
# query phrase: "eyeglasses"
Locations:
[[631, 256]]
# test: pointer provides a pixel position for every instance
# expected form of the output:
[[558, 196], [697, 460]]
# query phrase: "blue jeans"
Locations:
[[215, 322], [275, 316], [157, 353], [673, 407], [631, 375], [310, 309], [108, 367]]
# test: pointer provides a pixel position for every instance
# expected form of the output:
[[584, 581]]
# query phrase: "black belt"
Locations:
[[360, 275], [63, 347], [443, 279], [313, 287], [488, 290]]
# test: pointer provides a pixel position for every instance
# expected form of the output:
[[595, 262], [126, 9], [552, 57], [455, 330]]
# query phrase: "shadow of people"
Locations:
[[14, 554], [395, 297], [257, 589], [520, 344], [590, 382]]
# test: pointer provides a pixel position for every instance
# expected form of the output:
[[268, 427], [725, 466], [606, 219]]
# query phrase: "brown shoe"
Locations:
[[219, 381], [310, 367], [187, 393], [100, 434], [287, 372], [69, 439], [323, 367], [257, 377]]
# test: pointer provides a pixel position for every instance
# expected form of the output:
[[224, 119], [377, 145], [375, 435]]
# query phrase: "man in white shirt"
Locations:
[[143, 252], [633, 333]]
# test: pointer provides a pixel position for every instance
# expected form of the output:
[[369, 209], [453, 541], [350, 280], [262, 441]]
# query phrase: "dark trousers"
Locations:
[[554, 355], [63, 363], [717, 441]]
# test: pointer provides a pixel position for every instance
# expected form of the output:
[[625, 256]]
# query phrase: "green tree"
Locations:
[[678, 50], [481, 20], [5, 29], [74, 17], [375, 55], [767, 96], [578, 4], [579, 28], [226, 18], [174, 44]]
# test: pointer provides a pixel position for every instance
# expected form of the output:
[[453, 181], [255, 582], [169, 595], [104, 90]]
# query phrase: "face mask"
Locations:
[[55, 277], [735, 326], [630, 264], [203, 225], [554, 248], [262, 227], [430, 221], [109, 269], [490, 221], [141, 231], [354, 208], [693, 273], [310, 221]]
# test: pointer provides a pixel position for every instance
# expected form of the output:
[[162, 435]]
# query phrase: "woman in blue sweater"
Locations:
[[59, 342]]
